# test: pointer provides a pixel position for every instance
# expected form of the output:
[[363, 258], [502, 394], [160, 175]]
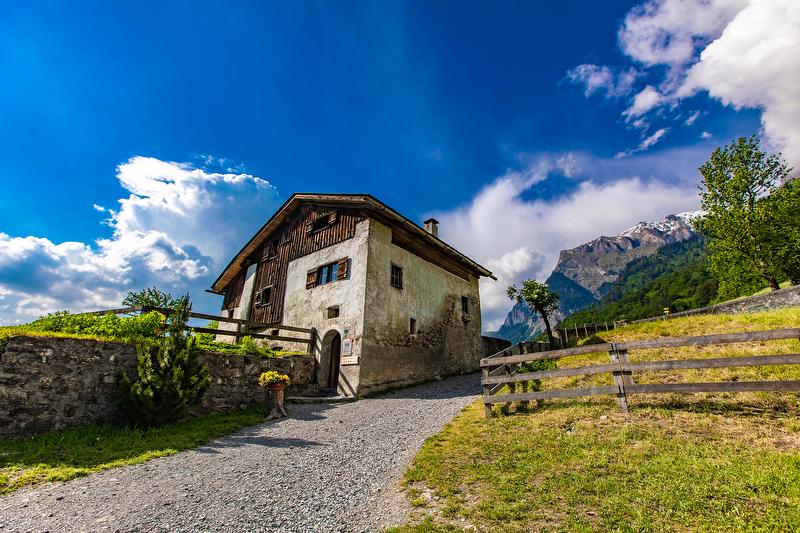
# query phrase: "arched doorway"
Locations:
[[335, 349]]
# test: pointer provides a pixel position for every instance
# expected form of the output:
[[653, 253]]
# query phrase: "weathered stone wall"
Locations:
[[492, 345], [788, 297], [51, 383], [447, 341]]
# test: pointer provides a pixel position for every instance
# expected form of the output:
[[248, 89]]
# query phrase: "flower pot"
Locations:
[[276, 386]]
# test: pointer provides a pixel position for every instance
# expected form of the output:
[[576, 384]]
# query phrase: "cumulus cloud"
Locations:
[[609, 196], [602, 78], [740, 52], [755, 63], [706, 135], [177, 227], [669, 32]]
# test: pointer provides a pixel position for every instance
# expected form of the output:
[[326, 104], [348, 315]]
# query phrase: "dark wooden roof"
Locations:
[[366, 201]]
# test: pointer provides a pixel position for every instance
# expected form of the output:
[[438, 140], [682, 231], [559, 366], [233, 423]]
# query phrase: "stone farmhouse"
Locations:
[[391, 303]]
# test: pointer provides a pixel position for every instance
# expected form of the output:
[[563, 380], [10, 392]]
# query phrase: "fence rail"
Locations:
[[243, 327], [502, 368]]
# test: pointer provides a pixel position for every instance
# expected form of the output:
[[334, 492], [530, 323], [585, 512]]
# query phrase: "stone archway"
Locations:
[[330, 360]]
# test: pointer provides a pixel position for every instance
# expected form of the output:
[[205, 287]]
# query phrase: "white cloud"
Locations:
[[518, 237], [99, 208], [176, 229], [597, 78], [669, 32], [743, 53], [646, 143], [692, 118], [706, 135], [644, 101], [755, 63]]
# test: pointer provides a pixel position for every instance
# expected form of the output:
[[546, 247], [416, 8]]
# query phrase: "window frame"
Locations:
[[465, 305], [259, 300], [396, 276], [330, 271], [322, 222]]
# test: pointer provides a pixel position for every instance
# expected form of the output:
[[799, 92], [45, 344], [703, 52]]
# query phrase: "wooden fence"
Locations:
[[243, 327], [582, 331], [502, 368]]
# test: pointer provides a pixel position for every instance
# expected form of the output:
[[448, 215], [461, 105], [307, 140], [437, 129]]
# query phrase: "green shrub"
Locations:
[[170, 376], [145, 326]]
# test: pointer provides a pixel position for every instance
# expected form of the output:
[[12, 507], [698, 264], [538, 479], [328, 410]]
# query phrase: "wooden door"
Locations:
[[336, 353]]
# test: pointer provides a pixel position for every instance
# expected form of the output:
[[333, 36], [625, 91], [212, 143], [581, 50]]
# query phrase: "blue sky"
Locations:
[[143, 143]]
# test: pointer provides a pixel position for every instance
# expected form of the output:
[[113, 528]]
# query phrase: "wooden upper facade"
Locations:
[[307, 223]]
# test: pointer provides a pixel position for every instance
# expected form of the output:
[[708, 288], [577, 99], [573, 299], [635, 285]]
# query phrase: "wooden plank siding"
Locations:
[[288, 242]]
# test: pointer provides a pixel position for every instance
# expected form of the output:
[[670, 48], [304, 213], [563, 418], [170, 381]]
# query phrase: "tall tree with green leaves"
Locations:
[[738, 220], [151, 297], [540, 299], [170, 376], [783, 208]]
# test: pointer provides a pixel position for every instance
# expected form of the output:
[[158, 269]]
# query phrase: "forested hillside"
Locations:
[[676, 276]]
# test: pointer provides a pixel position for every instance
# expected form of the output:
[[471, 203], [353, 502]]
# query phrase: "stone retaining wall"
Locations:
[[788, 297], [49, 383], [492, 345]]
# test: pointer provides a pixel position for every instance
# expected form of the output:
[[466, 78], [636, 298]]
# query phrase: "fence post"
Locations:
[[525, 347], [487, 407], [619, 378], [312, 342]]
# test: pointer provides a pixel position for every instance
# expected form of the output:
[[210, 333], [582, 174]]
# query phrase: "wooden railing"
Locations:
[[502, 368], [243, 327]]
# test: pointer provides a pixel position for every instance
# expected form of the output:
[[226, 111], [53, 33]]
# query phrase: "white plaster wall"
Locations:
[[308, 307], [243, 310], [447, 342]]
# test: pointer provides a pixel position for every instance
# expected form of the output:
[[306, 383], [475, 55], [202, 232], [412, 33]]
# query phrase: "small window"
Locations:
[[412, 326], [321, 222], [264, 296], [465, 305], [396, 279], [230, 313], [327, 273], [337, 270], [332, 311], [274, 332]]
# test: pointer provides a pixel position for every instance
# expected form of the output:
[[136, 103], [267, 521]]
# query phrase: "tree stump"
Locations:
[[277, 408]]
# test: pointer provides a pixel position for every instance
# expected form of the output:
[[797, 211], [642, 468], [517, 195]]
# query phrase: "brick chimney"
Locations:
[[432, 226]]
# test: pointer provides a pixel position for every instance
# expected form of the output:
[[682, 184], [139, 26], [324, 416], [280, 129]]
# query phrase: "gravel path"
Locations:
[[327, 468]]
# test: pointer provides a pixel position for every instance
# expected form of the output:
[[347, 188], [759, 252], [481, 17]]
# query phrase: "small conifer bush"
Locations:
[[169, 378]]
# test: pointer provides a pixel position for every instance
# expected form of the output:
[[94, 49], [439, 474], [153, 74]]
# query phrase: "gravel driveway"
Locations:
[[327, 468]]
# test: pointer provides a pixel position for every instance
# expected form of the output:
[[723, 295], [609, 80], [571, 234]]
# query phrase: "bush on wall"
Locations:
[[109, 326]]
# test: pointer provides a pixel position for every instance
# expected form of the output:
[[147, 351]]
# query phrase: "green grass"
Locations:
[[708, 462], [67, 454]]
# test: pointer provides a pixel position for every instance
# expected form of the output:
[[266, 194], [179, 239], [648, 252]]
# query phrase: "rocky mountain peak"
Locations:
[[583, 273]]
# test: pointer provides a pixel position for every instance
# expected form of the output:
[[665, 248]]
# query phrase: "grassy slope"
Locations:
[[64, 455], [677, 462]]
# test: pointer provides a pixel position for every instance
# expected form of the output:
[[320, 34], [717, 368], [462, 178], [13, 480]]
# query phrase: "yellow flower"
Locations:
[[272, 377]]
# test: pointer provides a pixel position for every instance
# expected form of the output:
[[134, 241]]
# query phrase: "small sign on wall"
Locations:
[[352, 360], [347, 346]]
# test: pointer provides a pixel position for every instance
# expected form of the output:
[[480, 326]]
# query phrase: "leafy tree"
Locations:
[[151, 297], [783, 207], [737, 179], [170, 376], [539, 298]]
